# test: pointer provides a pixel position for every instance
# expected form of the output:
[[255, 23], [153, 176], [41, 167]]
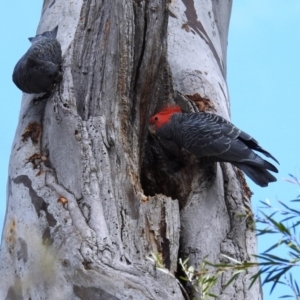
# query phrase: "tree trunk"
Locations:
[[90, 193]]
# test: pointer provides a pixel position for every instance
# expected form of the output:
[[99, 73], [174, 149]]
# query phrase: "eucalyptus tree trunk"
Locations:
[[90, 194]]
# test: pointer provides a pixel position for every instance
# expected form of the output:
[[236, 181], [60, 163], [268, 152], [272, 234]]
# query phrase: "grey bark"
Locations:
[[90, 195]]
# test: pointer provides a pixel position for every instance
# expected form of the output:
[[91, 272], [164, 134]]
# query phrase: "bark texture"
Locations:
[[90, 193]]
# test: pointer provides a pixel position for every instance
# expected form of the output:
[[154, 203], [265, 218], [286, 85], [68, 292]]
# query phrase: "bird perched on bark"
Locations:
[[40, 67], [204, 134]]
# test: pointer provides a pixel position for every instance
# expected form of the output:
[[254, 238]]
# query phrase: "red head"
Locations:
[[164, 116]]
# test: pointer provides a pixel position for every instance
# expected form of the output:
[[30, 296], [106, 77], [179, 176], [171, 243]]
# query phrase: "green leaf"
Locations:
[[263, 257], [289, 208], [265, 203], [294, 285], [276, 277], [257, 275], [276, 257], [273, 247], [296, 224], [288, 218], [264, 231], [230, 280], [274, 284], [212, 295]]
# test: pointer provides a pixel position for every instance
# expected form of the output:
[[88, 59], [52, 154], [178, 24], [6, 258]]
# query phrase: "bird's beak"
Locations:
[[151, 129]]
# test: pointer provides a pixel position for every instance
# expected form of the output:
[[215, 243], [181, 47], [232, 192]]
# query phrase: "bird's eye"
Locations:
[[156, 118]]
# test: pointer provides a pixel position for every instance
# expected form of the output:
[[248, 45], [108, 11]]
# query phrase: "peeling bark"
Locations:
[[90, 194]]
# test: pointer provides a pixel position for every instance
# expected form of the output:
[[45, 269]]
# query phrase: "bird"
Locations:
[[39, 69], [209, 135]]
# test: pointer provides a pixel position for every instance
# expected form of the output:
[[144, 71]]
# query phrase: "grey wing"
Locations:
[[47, 50], [211, 135], [205, 134]]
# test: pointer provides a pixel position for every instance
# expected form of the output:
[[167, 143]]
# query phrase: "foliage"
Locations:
[[159, 264], [275, 269], [201, 281], [282, 221]]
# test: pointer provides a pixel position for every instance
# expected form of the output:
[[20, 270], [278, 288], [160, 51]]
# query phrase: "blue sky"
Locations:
[[263, 80]]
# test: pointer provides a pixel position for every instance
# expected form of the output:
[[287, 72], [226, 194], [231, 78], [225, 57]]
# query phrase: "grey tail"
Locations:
[[258, 175], [253, 144]]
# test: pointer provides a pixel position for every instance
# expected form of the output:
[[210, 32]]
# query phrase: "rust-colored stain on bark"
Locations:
[[36, 159], [11, 232], [186, 27], [62, 200], [40, 172], [243, 181], [203, 104], [144, 198], [33, 131]]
